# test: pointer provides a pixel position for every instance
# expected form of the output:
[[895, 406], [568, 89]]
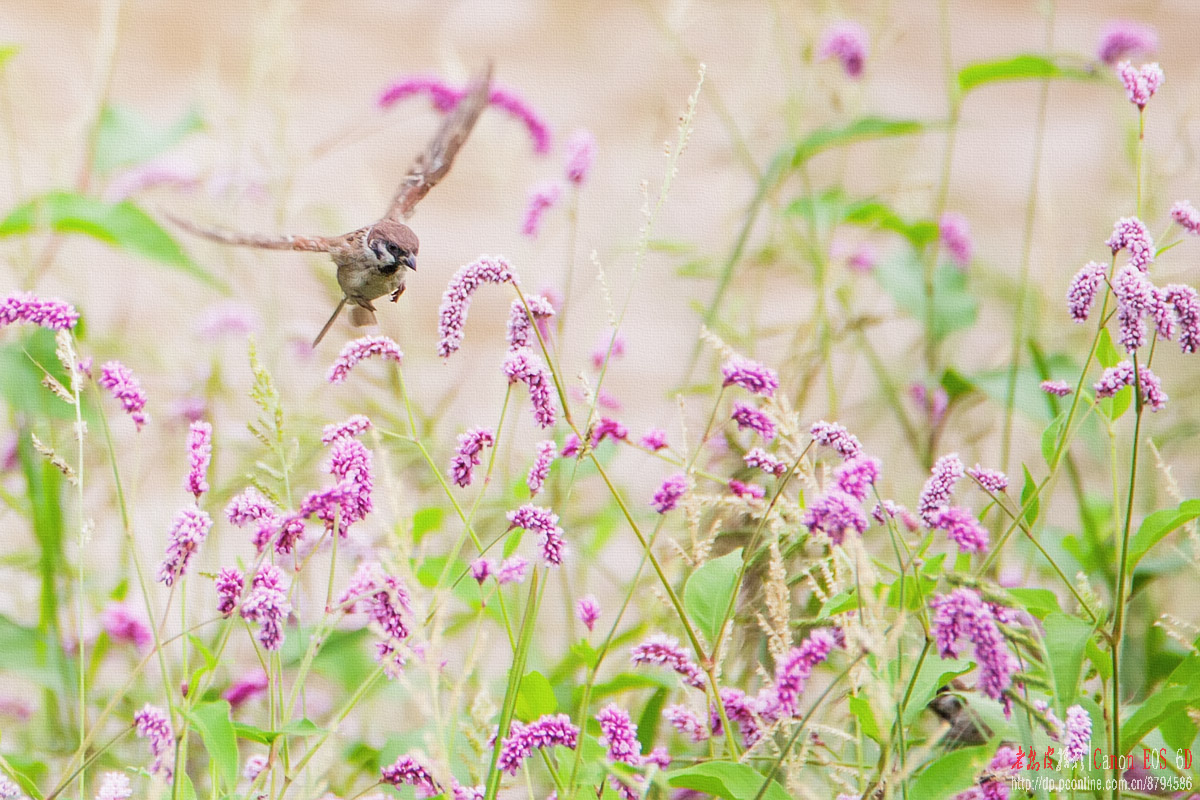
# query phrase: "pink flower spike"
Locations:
[[466, 457], [515, 105], [1187, 309], [188, 531], [27, 307], [588, 611], [1129, 233], [835, 513], [833, 435], [541, 198], [456, 300], [356, 425], [1135, 294], [1057, 388], [757, 458], [543, 522], [1079, 734], [1186, 216], [581, 152], [549, 730], [963, 614], [687, 722], [750, 375], [654, 439], [608, 428], [667, 496], [664, 651], [511, 570], [955, 233], [619, 735], [1116, 378], [124, 386], [993, 480], [962, 527], [152, 724], [1123, 38], [522, 365], [230, 583], [481, 568], [855, 475], [936, 493], [1140, 84], [571, 446], [1082, 291], [601, 353], [360, 349], [247, 688], [847, 42], [199, 457], [792, 674], [444, 96], [747, 491], [518, 320], [747, 416], [267, 604], [123, 625], [546, 453], [406, 771], [115, 787]]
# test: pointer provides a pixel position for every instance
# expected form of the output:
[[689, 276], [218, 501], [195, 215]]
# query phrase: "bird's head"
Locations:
[[394, 245]]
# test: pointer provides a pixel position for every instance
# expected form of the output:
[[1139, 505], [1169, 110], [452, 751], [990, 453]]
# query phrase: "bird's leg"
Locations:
[[329, 324], [396, 294]]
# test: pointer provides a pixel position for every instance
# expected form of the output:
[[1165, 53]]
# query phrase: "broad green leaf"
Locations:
[[1099, 659], [1156, 526], [630, 681], [951, 773], [122, 225], [913, 598], [344, 658], [126, 137], [1038, 602], [1029, 498], [840, 603], [21, 365], [1066, 639], [1050, 438], [1028, 396], [650, 717], [726, 779], [859, 130], [213, 723], [935, 673], [874, 214], [860, 707], [253, 733], [954, 308], [1106, 351], [427, 520], [709, 591], [25, 772], [1017, 68], [302, 727], [535, 698]]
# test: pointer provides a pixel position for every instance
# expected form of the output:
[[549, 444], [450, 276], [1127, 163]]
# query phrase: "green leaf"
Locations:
[[726, 779], [1029, 497], [302, 727], [126, 137], [935, 673], [7, 52], [1099, 659], [626, 682], [1038, 602], [343, 658], [1106, 352], [122, 225], [252, 733], [1156, 526], [650, 717], [874, 214], [1066, 639], [951, 774], [535, 698], [427, 520], [861, 709], [709, 591], [1017, 68], [859, 130], [1050, 438], [21, 364], [954, 308], [213, 723]]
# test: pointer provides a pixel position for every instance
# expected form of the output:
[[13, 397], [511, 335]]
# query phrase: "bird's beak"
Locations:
[[410, 262]]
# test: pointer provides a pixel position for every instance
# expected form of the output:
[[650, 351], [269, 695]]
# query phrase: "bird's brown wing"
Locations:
[[433, 164], [316, 244]]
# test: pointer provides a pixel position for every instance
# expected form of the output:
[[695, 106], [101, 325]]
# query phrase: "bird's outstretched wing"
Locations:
[[315, 244], [433, 164]]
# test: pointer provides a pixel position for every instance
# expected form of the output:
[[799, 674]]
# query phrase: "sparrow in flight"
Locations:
[[374, 260]]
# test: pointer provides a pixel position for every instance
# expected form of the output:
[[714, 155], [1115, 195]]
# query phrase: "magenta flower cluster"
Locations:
[[1117, 378], [152, 724], [747, 491], [536, 479], [792, 675], [1057, 388], [750, 375], [188, 531], [27, 307], [587, 610], [747, 416], [466, 456], [856, 475], [993, 480], [946, 472], [1140, 82], [124, 386], [541, 198], [664, 651], [549, 730], [845, 41], [955, 234], [360, 349], [406, 770], [670, 492], [1186, 216], [523, 366], [581, 153], [834, 513], [386, 603], [835, 436], [757, 458], [544, 523], [519, 328], [1079, 735], [1082, 291], [962, 614], [355, 426], [1123, 38], [229, 585], [199, 456], [267, 605], [456, 300]]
